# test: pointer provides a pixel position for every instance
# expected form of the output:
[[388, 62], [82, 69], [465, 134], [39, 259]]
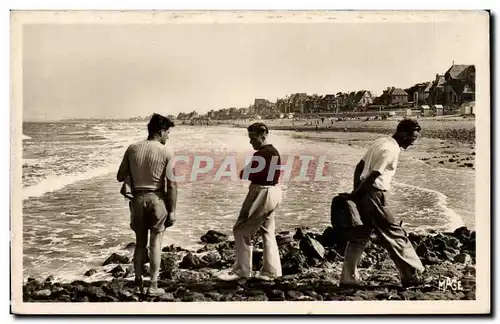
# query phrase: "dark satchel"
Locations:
[[344, 213]]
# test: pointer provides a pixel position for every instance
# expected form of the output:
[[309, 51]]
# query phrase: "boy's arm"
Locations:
[[124, 169]]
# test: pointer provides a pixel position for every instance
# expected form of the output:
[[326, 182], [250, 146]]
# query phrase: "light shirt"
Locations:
[[382, 156], [146, 162]]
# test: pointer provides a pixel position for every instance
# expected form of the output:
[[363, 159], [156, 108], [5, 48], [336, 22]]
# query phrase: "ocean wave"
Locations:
[[454, 219], [56, 183], [26, 137]]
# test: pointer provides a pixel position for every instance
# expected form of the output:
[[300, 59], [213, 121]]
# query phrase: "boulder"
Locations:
[[44, 293], [332, 256], [116, 259], [257, 256], [293, 262], [130, 246], [90, 272], [114, 288], [312, 249], [168, 261], [212, 260], [173, 248], [117, 271], [299, 234], [463, 234], [212, 237], [192, 262], [463, 258], [284, 238]]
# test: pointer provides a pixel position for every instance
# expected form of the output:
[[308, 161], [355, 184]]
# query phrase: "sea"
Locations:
[[74, 216]]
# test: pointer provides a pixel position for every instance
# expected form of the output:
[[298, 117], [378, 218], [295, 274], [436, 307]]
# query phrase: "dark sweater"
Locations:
[[261, 177]]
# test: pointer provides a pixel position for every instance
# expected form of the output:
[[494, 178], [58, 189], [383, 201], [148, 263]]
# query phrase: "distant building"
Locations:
[[437, 90], [362, 100], [460, 84], [298, 103], [393, 96], [419, 93], [329, 103]]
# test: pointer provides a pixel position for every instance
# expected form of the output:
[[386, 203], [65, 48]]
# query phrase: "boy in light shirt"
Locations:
[[372, 179]]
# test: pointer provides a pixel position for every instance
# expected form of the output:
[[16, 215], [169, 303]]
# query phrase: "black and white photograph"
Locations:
[[256, 162]]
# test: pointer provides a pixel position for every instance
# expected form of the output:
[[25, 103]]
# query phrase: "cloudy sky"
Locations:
[[105, 71]]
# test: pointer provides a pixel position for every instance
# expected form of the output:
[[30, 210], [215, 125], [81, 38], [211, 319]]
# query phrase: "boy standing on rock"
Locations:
[[372, 179], [257, 212], [154, 196]]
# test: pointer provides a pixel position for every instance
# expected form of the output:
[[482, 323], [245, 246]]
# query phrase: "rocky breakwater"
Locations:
[[311, 263]]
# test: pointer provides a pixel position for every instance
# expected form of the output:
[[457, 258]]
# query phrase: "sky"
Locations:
[[122, 71]]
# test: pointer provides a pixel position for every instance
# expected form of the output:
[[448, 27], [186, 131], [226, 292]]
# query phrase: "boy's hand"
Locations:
[[171, 218]]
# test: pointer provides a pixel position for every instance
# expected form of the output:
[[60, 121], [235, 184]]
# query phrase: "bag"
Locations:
[[344, 212]]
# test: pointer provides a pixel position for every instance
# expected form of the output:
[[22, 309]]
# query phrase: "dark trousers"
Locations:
[[377, 217]]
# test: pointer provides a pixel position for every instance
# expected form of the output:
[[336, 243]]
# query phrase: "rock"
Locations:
[[116, 259], [257, 256], [441, 162], [212, 260], [191, 261], [168, 261], [49, 279], [276, 294], [42, 293], [189, 275], [415, 239], [90, 272], [422, 250], [193, 297], [366, 262], [449, 254], [451, 160], [453, 242], [312, 249], [114, 288], [130, 246], [294, 295], [283, 239], [299, 234], [469, 165], [130, 270], [117, 271], [333, 256], [260, 297], [227, 252], [173, 248], [463, 258], [462, 233], [470, 247], [293, 262], [215, 296], [212, 237], [167, 297], [95, 294]]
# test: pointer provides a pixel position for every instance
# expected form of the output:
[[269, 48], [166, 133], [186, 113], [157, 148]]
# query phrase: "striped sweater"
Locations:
[[146, 162]]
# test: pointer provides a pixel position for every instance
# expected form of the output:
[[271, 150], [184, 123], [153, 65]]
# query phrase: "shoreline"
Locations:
[[447, 142], [311, 263], [444, 128]]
